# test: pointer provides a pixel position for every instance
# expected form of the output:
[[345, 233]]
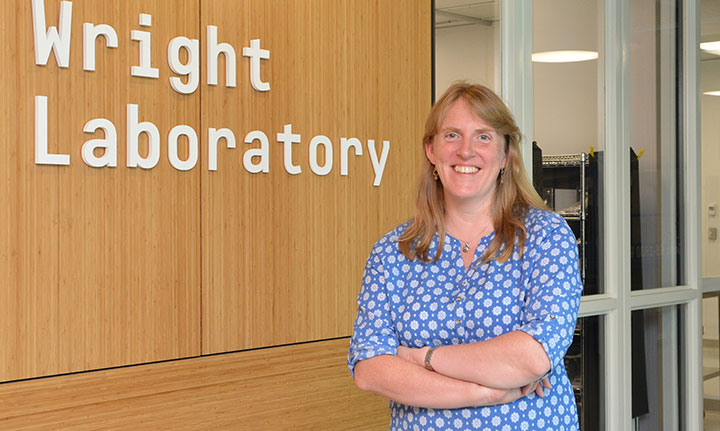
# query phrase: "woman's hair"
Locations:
[[514, 193]]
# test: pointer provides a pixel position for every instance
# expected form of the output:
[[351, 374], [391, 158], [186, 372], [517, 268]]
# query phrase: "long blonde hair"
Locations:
[[514, 194]]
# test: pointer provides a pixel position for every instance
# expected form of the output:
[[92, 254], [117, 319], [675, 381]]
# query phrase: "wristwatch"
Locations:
[[428, 358]]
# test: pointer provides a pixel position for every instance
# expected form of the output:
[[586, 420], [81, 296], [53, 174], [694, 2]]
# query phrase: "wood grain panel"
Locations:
[[102, 264], [283, 254], [304, 387], [29, 210]]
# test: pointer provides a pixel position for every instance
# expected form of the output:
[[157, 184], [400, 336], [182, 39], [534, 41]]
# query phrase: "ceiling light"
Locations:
[[710, 46], [712, 93], [564, 56]]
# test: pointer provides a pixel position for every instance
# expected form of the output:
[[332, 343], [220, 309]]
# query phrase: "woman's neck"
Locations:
[[468, 227], [465, 221]]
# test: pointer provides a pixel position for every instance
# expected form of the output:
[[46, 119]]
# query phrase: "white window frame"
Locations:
[[617, 302]]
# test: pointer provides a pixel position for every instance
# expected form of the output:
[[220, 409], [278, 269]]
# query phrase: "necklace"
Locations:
[[466, 244]]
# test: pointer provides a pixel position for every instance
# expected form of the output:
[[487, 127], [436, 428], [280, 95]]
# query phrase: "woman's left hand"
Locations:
[[412, 355]]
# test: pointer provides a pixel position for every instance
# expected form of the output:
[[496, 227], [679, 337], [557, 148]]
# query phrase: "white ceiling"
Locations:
[[709, 25], [451, 13]]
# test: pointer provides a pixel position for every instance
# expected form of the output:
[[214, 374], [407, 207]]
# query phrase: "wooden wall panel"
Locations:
[[110, 266], [283, 254], [101, 265], [304, 387], [28, 214]]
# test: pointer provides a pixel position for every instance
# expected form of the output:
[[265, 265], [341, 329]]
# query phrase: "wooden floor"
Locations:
[[300, 387]]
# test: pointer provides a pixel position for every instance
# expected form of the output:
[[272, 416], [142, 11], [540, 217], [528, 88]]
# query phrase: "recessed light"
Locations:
[[712, 93], [564, 56], [710, 46]]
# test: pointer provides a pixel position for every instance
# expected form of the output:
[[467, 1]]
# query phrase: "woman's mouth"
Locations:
[[465, 169]]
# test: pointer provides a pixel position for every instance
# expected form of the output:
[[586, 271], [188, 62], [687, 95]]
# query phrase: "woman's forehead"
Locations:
[[464, 119]]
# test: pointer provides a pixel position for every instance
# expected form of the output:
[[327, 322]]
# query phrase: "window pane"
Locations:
[[568, 121], [655, 153], [656, 358], [710, 135], [711, 361], [583, 362], [467, 43]]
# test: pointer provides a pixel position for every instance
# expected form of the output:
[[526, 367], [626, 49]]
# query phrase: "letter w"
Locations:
[[45, 42]]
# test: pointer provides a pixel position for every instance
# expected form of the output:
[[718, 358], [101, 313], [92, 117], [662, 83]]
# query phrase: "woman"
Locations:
[[466, 309]]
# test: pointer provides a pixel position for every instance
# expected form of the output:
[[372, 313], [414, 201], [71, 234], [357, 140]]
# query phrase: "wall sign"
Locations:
[[255, 160]]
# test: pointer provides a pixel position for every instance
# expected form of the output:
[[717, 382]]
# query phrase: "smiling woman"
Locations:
[[466, 312], [468, 156]]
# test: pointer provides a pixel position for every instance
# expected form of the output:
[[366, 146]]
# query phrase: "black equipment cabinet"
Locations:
[[568, 185]]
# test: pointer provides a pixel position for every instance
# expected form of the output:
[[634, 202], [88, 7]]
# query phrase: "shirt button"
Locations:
[[458, 299], [457, 322]]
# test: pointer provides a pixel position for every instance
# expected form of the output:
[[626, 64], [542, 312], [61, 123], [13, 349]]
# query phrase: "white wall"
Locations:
[[710, 141], [566, 95], [710, 319], [468, 52]]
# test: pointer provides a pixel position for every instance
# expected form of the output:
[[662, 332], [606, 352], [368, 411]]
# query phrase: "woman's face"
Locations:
[[468, 155]]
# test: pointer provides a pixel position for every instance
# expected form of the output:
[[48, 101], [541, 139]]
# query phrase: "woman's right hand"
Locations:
[[504, 396], [537, 387], [501, 396]]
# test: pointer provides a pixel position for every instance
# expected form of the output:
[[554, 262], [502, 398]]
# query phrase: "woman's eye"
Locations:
[[451, 136], [483, 138]]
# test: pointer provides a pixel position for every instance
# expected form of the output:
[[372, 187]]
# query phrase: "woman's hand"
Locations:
[[494, 396], [413, 355], [501, 396], [537, 387]]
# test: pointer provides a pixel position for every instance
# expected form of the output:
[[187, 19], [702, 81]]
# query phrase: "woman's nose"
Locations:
[[465, 148]]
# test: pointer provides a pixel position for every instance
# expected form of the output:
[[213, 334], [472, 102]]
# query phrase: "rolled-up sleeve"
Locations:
[[553, 292], [373, 332]]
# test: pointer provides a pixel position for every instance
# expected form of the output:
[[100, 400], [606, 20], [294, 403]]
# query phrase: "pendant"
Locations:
[[466, 247]]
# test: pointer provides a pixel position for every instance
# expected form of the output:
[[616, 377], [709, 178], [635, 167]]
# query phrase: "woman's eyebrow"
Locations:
[[458, 129], [454, 129], [484, 130]]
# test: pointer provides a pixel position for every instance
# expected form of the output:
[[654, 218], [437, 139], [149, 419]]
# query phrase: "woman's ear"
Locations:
[[429, 151], [506, 147]]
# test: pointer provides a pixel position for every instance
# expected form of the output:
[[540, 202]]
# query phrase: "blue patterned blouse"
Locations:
[[416, 304]]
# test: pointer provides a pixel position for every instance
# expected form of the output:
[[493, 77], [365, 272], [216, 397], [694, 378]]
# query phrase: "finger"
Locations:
[[546, 383], [539, 391]]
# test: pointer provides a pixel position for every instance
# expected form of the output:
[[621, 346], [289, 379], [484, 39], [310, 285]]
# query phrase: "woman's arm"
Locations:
[[407, 383], [549, 315], [509, 361]]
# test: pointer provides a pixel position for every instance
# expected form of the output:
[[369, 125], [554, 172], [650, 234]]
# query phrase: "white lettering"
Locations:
[[325, 142], [214, 50], [134, 129], [256, 54], [42, 157], [263, 152], [288, 138], [192, 159], [90, 34], [214, 136], [191, 69], [378, 166], [109, 144], [345, 145], [145, 70], [50, 40]]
